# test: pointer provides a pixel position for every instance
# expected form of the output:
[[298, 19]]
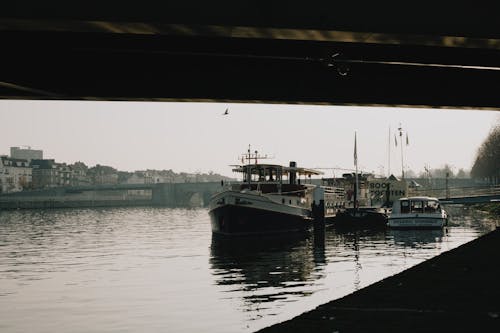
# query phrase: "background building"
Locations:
[[45, 173], [79, 174], [15, 174], [26, 153]]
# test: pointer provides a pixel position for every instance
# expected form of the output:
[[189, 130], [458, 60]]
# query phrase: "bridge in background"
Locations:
[[463, 195], [160, 194], [315, 52], [471, 200]]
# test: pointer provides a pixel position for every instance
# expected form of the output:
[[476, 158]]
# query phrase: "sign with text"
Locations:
[[379, 188]]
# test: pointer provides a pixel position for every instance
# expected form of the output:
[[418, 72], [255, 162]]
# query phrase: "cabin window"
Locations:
[[270, 173], [431, 206], [417, 207], [405, 206]]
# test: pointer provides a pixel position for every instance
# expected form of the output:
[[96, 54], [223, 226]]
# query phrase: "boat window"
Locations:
[[272, 175], [405, 206], [261, 175], [431, 206], [417, 207], [255, 174]]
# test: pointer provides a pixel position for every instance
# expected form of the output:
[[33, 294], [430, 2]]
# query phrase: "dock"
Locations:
[[457, 291]]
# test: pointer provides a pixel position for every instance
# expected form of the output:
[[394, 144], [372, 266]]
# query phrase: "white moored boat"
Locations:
[[417, 212]]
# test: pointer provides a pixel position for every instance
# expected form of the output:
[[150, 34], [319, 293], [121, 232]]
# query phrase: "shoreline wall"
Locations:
[[162, 194]]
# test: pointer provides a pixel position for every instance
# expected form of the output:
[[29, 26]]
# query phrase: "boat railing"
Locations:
[[275, 188], [288, 192]]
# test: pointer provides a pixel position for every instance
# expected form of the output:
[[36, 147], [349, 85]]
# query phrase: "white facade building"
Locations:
[[15, 174]]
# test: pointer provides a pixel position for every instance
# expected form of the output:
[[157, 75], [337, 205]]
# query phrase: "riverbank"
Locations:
[[457, 291]]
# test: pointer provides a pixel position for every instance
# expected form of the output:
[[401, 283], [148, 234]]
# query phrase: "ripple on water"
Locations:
[[164, 270]]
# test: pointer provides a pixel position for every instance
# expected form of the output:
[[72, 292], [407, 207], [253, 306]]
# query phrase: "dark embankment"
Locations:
[[457, 291]]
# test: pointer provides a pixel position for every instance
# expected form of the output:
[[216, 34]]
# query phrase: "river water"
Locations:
[[160, 269]]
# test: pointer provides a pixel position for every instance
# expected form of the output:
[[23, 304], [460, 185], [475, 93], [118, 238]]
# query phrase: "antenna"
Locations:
[[249, 156]]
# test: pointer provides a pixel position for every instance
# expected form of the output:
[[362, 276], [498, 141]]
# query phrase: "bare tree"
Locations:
[[487, 163]]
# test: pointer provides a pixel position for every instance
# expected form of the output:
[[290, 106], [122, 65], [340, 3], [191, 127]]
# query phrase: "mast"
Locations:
[[356, 167], [400, 129], [389, 153], [249, 171]]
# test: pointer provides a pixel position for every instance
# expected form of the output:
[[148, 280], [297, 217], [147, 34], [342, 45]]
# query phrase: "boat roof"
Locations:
[[420, 198], [259, 166]]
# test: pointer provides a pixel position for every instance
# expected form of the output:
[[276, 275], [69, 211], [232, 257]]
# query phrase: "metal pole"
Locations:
[[447, 189], [402, 159], [356, 165], [389, 154]]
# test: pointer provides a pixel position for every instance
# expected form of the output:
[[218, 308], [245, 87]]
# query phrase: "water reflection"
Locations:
[[163, 265], [417, 238], [267, 269], [273, 270]]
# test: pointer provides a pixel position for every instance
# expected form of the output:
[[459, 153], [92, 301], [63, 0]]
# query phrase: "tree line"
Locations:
[[487, 163]]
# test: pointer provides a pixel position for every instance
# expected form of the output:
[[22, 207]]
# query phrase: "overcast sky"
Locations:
[[197, 137]]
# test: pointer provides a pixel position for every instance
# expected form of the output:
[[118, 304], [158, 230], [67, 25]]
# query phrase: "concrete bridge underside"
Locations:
[[321, 52]]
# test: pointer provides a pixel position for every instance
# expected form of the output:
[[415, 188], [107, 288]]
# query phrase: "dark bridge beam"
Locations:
[[282, 52]]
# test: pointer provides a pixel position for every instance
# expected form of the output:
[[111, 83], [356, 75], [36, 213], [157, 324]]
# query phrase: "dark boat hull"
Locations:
[[243, 220], [361, 218]]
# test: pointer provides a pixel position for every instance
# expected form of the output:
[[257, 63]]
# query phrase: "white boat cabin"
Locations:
[[416, 205], [417, 212]]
